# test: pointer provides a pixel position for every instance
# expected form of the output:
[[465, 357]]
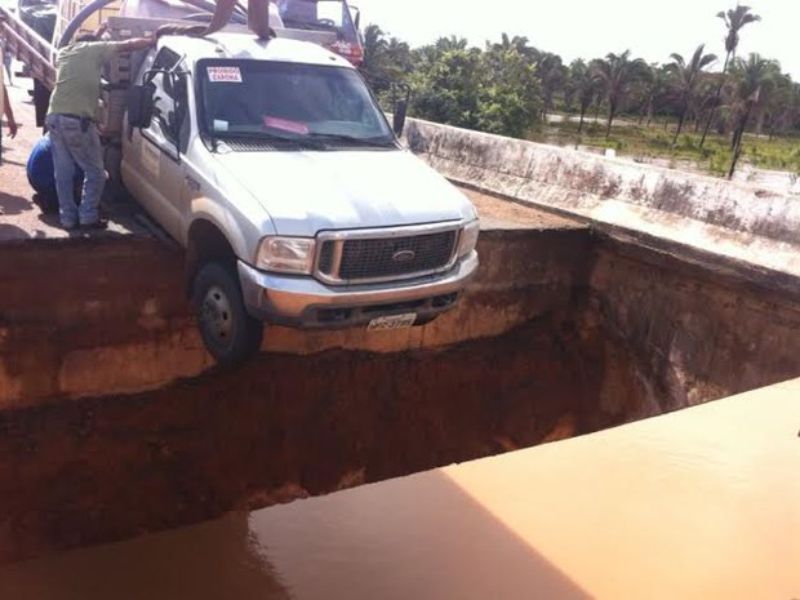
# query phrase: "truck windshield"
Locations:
[[290, 101], [324, 15]]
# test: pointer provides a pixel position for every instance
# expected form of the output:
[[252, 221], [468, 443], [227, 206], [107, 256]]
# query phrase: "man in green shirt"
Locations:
[[70, 122]]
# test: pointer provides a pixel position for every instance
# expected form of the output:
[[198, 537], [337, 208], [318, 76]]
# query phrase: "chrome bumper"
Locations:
[[307, 303]]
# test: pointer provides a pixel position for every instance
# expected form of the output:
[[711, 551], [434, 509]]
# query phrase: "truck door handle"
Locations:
[[192, 184]]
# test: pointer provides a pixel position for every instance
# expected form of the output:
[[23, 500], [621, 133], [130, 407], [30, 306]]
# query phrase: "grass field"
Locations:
[[648, 143]]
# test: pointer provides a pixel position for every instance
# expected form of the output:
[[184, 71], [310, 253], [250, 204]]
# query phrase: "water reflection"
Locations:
[[207, 562], [418, 538], [704, 503]]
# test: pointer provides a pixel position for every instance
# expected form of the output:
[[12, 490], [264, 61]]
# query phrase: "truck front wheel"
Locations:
[[230, 334]]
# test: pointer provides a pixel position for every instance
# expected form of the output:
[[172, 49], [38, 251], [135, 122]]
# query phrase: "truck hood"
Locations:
[[308, 192]]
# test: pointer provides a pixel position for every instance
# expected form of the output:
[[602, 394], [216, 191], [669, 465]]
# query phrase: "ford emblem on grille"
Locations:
[[404, 256]]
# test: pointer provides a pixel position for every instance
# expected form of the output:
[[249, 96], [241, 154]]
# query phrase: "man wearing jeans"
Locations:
[[70, 121]]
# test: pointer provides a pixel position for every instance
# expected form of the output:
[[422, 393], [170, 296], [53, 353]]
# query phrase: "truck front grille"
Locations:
[[325, 264], [386, 258]]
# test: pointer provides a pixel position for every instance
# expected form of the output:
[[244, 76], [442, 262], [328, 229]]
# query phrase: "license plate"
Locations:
[[393, 322]]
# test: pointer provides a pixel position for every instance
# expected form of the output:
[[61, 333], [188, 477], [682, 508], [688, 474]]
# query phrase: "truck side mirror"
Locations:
[[357, 18], [140, 105], [400, 113]]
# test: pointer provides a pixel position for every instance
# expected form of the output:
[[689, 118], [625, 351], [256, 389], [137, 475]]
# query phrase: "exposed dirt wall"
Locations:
[[286, 427], [700, 335], [64, 301], [92, 317]]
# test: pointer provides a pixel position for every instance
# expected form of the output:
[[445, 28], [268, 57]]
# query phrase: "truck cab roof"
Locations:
[[246, 46]]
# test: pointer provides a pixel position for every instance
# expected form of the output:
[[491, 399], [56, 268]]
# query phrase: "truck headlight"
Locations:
[[469, 238], [286, 255]]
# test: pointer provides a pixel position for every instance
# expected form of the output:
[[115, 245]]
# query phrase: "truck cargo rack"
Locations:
[[38, 54], [29, 47]]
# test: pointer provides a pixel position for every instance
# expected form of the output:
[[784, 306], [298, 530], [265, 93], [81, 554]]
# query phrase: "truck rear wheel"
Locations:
[[230, 334]]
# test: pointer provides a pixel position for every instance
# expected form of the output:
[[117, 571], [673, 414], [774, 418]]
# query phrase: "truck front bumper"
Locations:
[[306, 303]]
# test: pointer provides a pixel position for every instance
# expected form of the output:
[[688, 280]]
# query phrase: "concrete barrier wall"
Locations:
[[737, 225]]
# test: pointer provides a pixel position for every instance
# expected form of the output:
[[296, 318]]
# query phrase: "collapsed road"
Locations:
[[113, 423], [661, 508]]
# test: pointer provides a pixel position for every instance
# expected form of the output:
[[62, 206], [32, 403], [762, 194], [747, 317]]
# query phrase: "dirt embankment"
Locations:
[[285, 427], [610, 332]]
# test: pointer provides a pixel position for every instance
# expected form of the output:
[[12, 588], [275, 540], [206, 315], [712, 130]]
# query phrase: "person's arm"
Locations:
[[9, 112], [257, 17], [134, 44], [222, 15], [145, 43], [190, 30]]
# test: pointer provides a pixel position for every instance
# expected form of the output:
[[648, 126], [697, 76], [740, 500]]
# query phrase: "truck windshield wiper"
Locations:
[[266, 136], [349, 139], [316, 141], [302, 25]]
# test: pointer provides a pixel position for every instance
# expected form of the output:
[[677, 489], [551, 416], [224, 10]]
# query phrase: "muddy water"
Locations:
[[703, 503]]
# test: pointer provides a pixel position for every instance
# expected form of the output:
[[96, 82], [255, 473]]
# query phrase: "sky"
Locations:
[[592, 28]]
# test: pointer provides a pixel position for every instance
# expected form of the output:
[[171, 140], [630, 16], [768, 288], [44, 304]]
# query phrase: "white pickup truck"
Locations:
[[272, 163]]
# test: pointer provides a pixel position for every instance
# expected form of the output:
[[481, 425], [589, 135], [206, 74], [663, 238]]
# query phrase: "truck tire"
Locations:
[[230, 334]]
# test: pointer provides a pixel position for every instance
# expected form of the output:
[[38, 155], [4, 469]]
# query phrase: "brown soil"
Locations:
[[492, 208], [285, 427]]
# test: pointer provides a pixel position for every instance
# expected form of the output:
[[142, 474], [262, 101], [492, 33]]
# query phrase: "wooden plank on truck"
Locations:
[[29, 47]]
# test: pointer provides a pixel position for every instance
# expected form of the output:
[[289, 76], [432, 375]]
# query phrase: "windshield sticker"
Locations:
[[286, 125], [224, 74]]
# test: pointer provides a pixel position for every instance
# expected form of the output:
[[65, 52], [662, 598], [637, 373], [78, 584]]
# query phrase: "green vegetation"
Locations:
[[686, 80], [654, 142], [494, 90], [749, 109]]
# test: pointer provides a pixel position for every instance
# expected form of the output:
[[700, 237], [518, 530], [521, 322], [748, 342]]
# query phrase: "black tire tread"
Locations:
[[249, 332]]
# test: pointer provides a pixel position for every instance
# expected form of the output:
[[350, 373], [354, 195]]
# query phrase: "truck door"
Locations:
[[159, 173]]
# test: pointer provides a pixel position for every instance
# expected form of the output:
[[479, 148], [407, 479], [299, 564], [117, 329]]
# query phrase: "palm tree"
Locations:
[[735, 20], [686, 78], [653, 88], [552, 74], [583, 86], [374, 53], [446, 44], [374, 43], [782, 105], [398, 58], [773, 97], [752, 78], [386, 60], [518, 43], [426, 57], [617, 72]]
